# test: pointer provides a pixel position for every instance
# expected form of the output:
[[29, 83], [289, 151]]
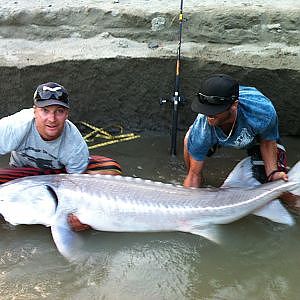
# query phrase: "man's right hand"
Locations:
[[194, 176], [75, 224]]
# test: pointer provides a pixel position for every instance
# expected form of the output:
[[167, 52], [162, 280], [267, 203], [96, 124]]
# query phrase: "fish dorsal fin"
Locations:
[[241, 175], [275, 212]]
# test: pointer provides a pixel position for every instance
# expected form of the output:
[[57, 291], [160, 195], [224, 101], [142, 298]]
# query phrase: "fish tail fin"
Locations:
[[294, 175]]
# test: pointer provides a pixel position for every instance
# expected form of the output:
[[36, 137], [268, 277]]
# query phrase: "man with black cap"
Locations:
[[235, 116], [42, 140]]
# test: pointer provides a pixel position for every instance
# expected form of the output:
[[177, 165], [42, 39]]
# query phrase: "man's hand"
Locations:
[[75, 224], [291, 201], [279, 175]]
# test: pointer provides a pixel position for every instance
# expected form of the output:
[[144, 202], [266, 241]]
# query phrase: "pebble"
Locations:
[[153, 45]]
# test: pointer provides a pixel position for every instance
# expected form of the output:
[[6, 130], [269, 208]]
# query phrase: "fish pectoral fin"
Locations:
[[67, 241], [275, 212], [210, 232]]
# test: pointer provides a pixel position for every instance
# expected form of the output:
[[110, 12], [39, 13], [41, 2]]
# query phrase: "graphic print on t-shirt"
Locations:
[[244, 139]]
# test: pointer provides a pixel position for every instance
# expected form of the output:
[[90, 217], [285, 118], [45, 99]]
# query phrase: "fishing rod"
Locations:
[[177, 99]]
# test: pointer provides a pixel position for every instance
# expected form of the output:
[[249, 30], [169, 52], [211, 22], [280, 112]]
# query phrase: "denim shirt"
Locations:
[[256, 117]]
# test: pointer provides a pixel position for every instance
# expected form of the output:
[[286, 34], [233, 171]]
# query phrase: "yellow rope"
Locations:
[[96, 129], [113, 142], [103, 134]]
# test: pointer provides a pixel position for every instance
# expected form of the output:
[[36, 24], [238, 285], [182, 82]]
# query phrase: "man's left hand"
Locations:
[[279, 175]]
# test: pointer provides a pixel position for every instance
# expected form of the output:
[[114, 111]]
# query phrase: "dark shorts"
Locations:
[[258, 167], [96, 163]]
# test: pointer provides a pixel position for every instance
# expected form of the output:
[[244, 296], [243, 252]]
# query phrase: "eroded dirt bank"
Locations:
[[117, 58]]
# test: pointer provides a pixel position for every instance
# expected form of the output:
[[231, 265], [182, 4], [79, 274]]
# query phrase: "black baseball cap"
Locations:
[[218, 92], [51, 93]]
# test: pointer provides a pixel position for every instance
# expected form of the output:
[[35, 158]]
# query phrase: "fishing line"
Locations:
[[177, 99]]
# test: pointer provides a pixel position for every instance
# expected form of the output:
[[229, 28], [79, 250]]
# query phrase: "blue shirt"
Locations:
[[256, 117]]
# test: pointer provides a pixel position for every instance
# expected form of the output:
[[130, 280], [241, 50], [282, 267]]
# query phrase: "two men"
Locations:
[[230, 115]]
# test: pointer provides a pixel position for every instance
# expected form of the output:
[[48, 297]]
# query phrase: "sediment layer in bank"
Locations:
[[117, 58]]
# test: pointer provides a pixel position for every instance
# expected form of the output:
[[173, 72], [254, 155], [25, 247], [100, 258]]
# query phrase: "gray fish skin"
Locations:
[[115, 203], [124, 204]]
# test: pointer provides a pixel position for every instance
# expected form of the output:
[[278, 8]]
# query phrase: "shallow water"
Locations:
[[258, 259]]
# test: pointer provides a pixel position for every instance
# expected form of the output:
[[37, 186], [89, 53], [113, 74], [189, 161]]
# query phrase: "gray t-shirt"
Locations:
[[18, 135]]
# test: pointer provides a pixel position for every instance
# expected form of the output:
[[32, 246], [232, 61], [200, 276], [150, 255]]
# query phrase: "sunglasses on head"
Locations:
[[217, 100], [48, 93]]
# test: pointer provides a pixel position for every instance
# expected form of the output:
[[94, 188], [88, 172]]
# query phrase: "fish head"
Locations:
[[26, 202]]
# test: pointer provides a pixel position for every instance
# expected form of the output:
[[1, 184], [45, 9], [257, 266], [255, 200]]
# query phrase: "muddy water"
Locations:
[[258, 259]]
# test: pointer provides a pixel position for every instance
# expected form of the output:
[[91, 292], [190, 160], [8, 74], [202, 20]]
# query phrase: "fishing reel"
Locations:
[[175, 99]]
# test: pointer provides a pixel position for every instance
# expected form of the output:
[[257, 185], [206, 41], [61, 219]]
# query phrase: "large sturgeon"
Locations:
[[124, 204]]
